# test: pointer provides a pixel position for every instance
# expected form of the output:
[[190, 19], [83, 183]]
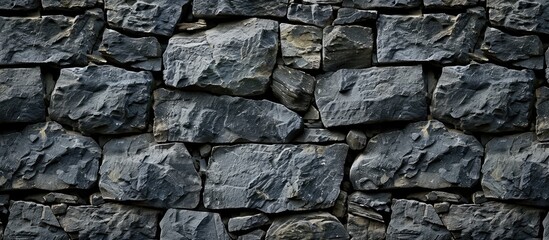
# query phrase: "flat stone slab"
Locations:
[[28, 220], [542, 113], [22, 98], [294, 88], [143, 53], [187, 224], [519, 51], [528, 15], [354, 16], [388, 4], [313, 14], [449, 4], [68, 5], [415, 220], [247, 8], [346, 47], [19, 5], [318, 225]]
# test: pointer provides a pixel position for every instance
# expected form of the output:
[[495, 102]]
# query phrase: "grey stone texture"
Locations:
[[247, 8], [187, 224], [519, 51], [525, 15], [28, 220], [415, 220], [19, 5], [143, 53], [257, 234], [319, 135], [346, 47], [356, 140], [354, 16], [383, 4], [301, 46], [244, 223], [70, 5], [449, 4], [542, 113], [361, 228], [22, 98], [313, 14], [319, 225], [294, 88]]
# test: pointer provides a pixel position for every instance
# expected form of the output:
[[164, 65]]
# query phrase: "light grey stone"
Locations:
[[518, 51], [244, 223], [437, 196], [317, 225], [542, 113], [361, 228], [143, 53], [253, 235], [379, 202], [68, 4], [16, 5], [293, 88], [30, 220], [354, 16], [187, 224], [59, 209], [319, 135], [22, 98], [415, 220], [347, 47], [383, 4], [523, 15], [246, 8], [546, 228], [301, 46], [313, 14]]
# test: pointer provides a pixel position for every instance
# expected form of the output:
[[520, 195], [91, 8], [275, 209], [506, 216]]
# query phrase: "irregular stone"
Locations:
[[45, 156], [293, 88], [516, 168], [201, 118], [137, 169], [354, 16], [372, 4], [96, 199], [313, 14], [479, 197], [442, 207], [547, 68], [301, 46], [424, 154], [493, 220], [30, 220], [55, 197], [312, 114], [22, 98], [247, 222], [523, 51], [116, 222], [319, 135], [205, 150], [141, 53], [378, 201], [523, 15], [361, 228], [233, 58], [415, 220], [68, 4], [19, 5], [371, 95], [59, 209], [144, 16], [50, 39], [439, 38], [546, 228], [356, 140], [274, 178], [253, 235], [192, 26], [245, 8], [542, 113], [323, 1], [102, 99], [317, 225], [438, 196], [449, 4], [484, 98], [347, 47], [187, 224]]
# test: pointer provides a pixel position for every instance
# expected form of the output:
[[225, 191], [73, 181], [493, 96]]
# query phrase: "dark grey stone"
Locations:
[[187, 224], [102, 99], [439, 38], [233, 58], [141, 53], [354, 16], [246, 8], [55, 197], [479, 197], [442, 207], [247, 222], [371, 95], [19, 4], [317, 225], [523, 15], [313, 14], [518, 51], [339, 209], [52, 39], [361, 228], [424, 154], [253, 235], [415, 220], [372, 4], [22, 98], [301, 46], [68, 4], [437, 196], [145, 16], [59, 209], [274, 178], [319, 135], [96, 199], [493, 220], [542, 113], [30, 220], [347, 47], [356, 140], [158, 175], [202, 118], [484, 98], [546, 228], [293, 88], [45, 156], [449, 4], [323, 1], [515, 168], [547, 65], [379, 202]]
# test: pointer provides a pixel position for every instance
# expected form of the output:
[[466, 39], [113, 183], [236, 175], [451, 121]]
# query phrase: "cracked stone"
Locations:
[[361, 228], [524, 15], [16, 5], [354, 16], [22, 98], [449, 4], [542, 113], [383, 4], [68, 4], [293, 88], [317, 225], [523, 51], [301, 46], [28, 220], [319, 135], [246, 8], [415, 220], [313, 14], [187, 224], [244, 223], [143, 53], [347, 47]]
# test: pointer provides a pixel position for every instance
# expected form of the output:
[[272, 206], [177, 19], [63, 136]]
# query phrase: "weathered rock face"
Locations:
[[160, 175], [476, 221], [247, 222], [436, 38], [354, 16], [53, 39], [547, 68], [424, 154], [293, 88], [523, 51], [319, 135], [346, 47], [144, 16], [29, 220], [200, 117], [233, 58], [415, 220], [361, 228], [527, 15], [22, 98], [546, 226], [542, 113], [187, 224], [68, 4], [253, 235], [372, 4], [248, 8], [379, 202], [515, 168], [484, 98], [274, 178], [16, 5], [313, 14], [102, 99], [319, 225], [371, 95], [301, 46], [45, 156], [141, 53], [449, 4]]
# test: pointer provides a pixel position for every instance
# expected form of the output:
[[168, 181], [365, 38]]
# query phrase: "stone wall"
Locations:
[[274, 119]]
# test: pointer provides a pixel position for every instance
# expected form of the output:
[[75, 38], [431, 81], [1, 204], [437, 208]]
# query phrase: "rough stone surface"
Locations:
[[51, 39], [546, 228], [415, 220], [187, 224], [515, 168], [547, 65], [233, 58], [160, 175], [201, 118], [45, 156], [492, 220], [247, 222], [144, 16], [320, 225], [356, 140], [68, 4], [518, 51], [373, 4], [347, 47], [247, 8], [379, 202], [301, 46], [22, 98], [102, 99], [141, 53], [437, 38], [253, 235], [313, 14], [19, 5], [274, 178], [484, 98], [424, 154], [524, 15], [438, 196], [319, 135], [354, 16], [361, 228], [542, 113], [293, 88], [372, 95], [449, 4], [30, 220]]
